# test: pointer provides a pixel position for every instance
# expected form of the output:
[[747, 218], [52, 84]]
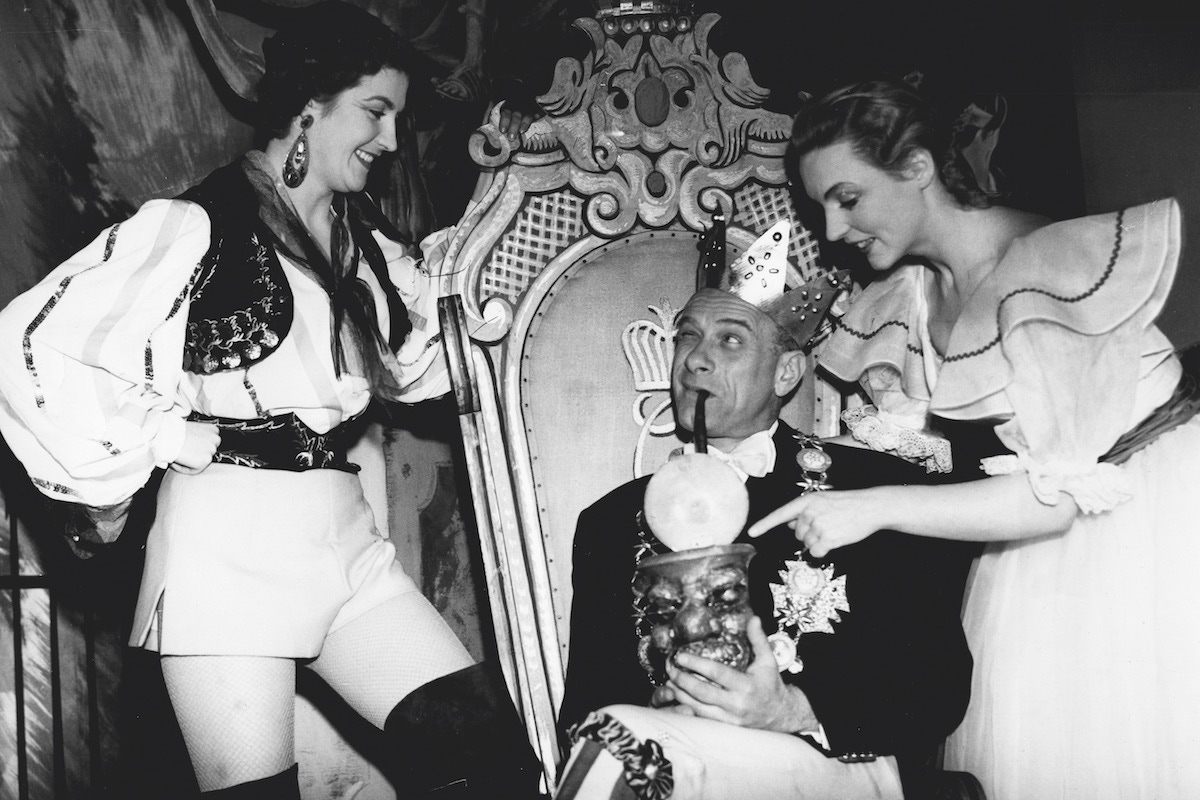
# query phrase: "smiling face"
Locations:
[[728, 347], [876, 211], [352, 130]]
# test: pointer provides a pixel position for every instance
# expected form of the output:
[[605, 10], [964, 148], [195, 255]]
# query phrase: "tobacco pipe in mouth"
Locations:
[[700, 432]]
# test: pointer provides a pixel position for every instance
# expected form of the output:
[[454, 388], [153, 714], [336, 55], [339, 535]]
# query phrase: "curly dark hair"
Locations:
[[322, 50], [885, 122]]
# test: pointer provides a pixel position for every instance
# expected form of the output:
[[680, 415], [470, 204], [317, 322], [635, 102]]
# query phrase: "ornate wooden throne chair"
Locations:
[[563, 279]]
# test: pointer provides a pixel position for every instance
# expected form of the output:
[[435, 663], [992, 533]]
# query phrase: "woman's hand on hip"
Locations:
[[200, 440], [825, 521]]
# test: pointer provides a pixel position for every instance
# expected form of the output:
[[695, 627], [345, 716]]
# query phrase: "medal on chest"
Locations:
[[809, 598]]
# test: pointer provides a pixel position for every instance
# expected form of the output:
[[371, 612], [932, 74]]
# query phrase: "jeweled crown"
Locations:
[[761, 277]]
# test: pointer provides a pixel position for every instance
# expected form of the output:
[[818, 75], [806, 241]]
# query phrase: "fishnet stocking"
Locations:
[[375, 660], [237, 714]]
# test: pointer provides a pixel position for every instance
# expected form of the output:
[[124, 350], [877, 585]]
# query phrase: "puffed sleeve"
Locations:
[[1057, 344], [91, 358], [880, 342]]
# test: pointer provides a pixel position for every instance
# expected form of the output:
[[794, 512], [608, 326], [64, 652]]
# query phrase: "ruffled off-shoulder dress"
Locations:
[[1086, 644]]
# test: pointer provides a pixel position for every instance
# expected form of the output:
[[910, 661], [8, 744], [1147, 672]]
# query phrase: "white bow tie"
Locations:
[[753, 456]]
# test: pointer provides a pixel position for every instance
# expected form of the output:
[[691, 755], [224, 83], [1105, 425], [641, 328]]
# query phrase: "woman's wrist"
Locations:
[[887, 507]]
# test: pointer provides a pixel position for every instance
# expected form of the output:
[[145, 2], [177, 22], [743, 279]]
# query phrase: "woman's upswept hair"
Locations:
[[320, 51], [885, 122]]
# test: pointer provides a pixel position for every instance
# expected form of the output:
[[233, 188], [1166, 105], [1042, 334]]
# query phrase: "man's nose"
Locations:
[[699, 359]]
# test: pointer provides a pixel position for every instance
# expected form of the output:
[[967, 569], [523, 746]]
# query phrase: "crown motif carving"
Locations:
[[649, 347]]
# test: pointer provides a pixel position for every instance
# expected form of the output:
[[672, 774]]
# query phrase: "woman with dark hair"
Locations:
[[234, 335], [1082, 611]]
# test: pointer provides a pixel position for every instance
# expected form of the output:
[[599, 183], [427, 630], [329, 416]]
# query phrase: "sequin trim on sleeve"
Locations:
[[27, 340]]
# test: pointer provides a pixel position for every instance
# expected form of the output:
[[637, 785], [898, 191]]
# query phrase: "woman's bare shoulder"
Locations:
[[1020, 223]]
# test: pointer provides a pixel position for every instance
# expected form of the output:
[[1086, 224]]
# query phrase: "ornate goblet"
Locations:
[[694, 601]]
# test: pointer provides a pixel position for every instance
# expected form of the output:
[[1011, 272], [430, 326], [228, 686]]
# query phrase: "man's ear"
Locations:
[[789, 370]]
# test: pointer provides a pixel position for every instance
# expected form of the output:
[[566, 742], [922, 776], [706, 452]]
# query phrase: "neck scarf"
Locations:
[[356, 340]]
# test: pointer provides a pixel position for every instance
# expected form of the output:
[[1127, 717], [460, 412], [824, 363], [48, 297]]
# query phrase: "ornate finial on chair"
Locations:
[[645, 16]]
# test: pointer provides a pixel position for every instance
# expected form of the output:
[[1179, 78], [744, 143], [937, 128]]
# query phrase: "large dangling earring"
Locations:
[[296, 166]]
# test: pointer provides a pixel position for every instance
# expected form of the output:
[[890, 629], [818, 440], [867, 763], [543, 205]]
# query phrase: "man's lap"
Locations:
[[698, 759]]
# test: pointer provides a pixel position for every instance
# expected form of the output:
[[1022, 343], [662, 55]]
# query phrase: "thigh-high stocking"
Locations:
[[237, 714]]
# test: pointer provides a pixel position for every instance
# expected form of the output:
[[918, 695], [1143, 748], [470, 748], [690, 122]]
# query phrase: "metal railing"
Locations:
[[50, 716]]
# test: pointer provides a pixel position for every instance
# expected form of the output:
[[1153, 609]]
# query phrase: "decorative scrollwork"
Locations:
[[644, 121]]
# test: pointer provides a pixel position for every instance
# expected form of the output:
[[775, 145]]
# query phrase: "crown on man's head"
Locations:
[[760, 276]]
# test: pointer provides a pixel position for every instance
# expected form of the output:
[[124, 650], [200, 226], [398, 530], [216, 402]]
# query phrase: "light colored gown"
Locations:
[[1086, 644]]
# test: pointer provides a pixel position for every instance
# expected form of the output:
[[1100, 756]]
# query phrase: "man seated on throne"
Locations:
[[859, 665]]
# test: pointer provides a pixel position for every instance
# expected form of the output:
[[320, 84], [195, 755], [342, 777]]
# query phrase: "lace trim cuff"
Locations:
[[1095, 488], [647, 770], [867, 425]]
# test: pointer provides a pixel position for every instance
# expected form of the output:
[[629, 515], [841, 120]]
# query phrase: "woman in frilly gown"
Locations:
[[1083, 611]]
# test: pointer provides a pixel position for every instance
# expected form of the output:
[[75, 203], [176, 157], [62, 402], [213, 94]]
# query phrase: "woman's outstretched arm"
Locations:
[[999, 508]]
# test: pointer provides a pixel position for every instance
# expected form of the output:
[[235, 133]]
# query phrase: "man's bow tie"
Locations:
[[753, 456]]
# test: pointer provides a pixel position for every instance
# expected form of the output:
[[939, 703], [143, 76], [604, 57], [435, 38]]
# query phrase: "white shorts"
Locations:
[[260, 562]]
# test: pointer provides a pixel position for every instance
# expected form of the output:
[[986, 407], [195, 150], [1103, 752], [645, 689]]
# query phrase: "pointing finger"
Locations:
[[779, 516]]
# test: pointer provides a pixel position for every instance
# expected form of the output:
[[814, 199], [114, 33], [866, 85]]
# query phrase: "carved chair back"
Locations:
[[562, 282]]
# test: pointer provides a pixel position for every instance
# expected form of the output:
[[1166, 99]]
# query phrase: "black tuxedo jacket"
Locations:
[[894, 676]]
